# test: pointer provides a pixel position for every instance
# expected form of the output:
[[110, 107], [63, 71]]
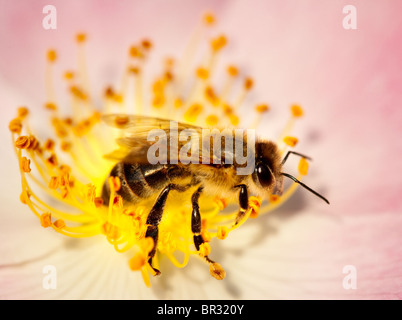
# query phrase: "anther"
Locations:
[[232, 71], [22, 142], [216, 270], [296, 110], [261, 108], [22, 112], [222, 232], [59, 224], [25, 164], [254, 204], [45, 220], [15, 126], [51, 55], [290, 141], [303, 166]]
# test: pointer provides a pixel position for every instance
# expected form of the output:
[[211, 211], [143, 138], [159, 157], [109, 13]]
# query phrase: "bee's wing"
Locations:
[[139, 133]]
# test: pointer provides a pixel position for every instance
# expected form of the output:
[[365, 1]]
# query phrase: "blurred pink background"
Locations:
[[348, 81]]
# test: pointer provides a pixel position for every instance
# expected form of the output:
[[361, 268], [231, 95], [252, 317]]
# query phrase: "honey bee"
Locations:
[[209, 169]]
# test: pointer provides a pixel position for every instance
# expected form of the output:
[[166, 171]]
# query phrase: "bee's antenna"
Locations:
[[304, 186], [296, 153]]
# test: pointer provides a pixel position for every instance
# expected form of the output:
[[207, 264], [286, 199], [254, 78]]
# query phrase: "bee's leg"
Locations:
[[196, 219], [153, 220], [243, 202]]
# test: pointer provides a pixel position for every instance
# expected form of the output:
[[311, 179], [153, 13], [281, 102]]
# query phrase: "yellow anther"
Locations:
[[158, 101], [22, 112], [49, 145], [50, 106], [138, 261], [206, 235], [212, 120], [296, 110], [51, 55], [222, 232], [69, 75], [227, 109], [65, 146], [221, 202], [15, 126], [211, 96], [24, 196], [209, 19], [274, 198], [232, 71], [59, 224], [234, 120], [45, 220], [25, 164], [205, 249], [33, 143], [121, 120], [254, 204], [135, 52], [216, 270], [193, 112], [146, 44], [178, 103], [218, 43], [98, 201], [118, 202], [64, 192], [78, 93], [261, 108], [202, 73], [23, 142], [52, 160], [81, 37], [290, 141], [248, 83], [303, 166], [111, 231], [114, 183]]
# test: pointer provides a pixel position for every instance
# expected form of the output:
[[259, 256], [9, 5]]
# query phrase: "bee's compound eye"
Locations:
[[264, 175]]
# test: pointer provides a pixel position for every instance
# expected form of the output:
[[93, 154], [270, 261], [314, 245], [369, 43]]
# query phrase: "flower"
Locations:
[[307, 256], [88, 186]]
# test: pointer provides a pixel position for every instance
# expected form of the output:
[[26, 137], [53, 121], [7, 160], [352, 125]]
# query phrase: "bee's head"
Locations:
[[267, 172]]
